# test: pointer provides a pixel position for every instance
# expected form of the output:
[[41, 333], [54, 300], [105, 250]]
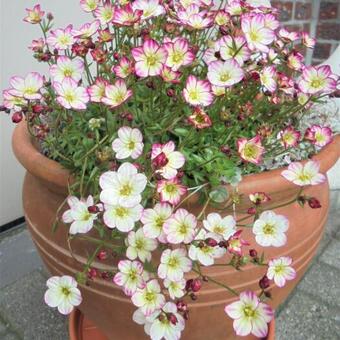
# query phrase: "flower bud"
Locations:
[[264, 282], [196, 285], [49, 16], [181, 306], [251, 211], [17, 117], [92, 273], [211, 242], [160, 160], [93, 209], [252, 252], [102, 255], [105, 275], [193, 297], [188, 284], [172, 318], [38, 108], [314, 203], [170, 92]]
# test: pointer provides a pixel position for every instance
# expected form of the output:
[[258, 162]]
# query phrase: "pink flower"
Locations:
[[225, 73], [250, 315], [34, 15], [149, 58], [257, 34], [259, 197], [104, 13], [131, 276], [179, 53], [174, 159], [37, 45], [171, 190], [124, 68], [116, 94], [251, 150], [197, 92], [199, 119], [180, 227], [67, 68], [198, 21], [12, 102], [61, 39], [307, 40], [290, 137], [126, 16], [150, 8], [271, 22], [319, 135], [87, 30], [307, 174], [234, 48], [27, 87], [268, 78], [170, 76], [235, 243], [288, 36], [89, 5], [295, 61], [222, 18], [280, 270], [70, 95], [97, 90]]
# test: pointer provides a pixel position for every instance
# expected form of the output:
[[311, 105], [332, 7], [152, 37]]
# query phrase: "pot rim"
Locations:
[[51, 171]]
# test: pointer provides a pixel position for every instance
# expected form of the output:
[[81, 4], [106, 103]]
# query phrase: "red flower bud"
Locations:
[[196, 285], [172, 318], [314, 203], [38, 108], [264, 282], [92, 273], [181, 306], [170, 92], [160, 160], [251, 211], [93, 209], [102, 255], [252, 252], [188, 284], [17, 117], [105, 275], [186, 315], [193, 296], [211, 242]]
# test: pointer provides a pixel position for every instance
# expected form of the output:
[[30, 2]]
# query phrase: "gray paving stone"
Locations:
[[18, 257], [331, 255], [9, 336], [23, 305], [322, 281], [305, 318], [333, 223]]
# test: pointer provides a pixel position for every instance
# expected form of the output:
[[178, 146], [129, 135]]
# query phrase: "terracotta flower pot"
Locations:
[[105, 304]]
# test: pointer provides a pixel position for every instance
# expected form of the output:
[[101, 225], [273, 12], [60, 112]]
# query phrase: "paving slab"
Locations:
[[305, 318], [18, 256], [23, 307], [331, 254], [322, 281]]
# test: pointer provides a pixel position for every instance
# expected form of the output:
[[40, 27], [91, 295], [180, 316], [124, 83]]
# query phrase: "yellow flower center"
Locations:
[[150, 297], [173, 262], [107, 14], [30, 90], [279, 268], [254, 36], [177, 57], [133, 275], [225, 76], [151, 60], [183, 229], [140, 244], [64, 40], [121, 212], [317, 83], [65, 291], [250, 151], [305, 176], [125, 190], [170, 188], [86, 216], [194, 94], [159, 222], [319, 137], [68, 72], [249, 311], [218, 229], [268, 229], [69, 96], [131, 145]]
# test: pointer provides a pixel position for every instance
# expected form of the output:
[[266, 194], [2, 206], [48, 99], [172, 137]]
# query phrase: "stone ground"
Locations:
[[312, 312]]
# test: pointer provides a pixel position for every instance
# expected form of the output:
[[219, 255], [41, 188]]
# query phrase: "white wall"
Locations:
[[16, 59]]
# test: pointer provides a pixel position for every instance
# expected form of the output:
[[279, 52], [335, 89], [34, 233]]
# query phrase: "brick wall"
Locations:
[[321, 18]]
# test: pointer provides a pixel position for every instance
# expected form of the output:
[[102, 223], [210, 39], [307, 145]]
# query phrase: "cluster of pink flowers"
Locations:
[[196, 54]]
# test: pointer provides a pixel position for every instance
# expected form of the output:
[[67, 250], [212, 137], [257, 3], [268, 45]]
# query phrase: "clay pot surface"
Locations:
[[45, 189]]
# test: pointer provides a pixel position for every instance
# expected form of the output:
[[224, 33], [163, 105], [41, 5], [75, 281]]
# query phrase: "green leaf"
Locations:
[[181, 132], [219, 194]]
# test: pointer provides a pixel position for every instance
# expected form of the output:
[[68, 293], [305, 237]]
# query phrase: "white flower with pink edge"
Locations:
[[149, 58], [173, 159], [171, 190], [268, 78], [251, 316], [104, 13], [131, 276], [225, 74], [128, 144], [79, 216], [87, 30], [257, 34], [138, 245], [27, 87], [61, 39], [319, 135], [11, 101], [149, 298], [124, 68], [70, 95], [116, 94], [307, 174], [280, 270], [180, 227], [179, 53], [269, 229], [197, 92], [153, 220], [67, 68], [97, 90], [122, 187], [173, 264], [233, 48], [150, 8], [122, 218], [62, 293], [176, 289], [89, 5], [222, 227], [203, 251], [34, 15], [126, 15]]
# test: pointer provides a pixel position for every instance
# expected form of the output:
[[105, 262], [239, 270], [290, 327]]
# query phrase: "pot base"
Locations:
[[81, 328]]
